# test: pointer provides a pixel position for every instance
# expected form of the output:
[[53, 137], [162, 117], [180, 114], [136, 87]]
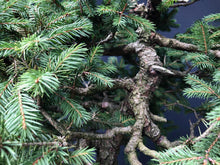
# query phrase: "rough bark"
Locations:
[[183, 3], [139, 97], [123, 83], [149, 11], [107, 150], [108, 135], [175, 44], [147, 151]]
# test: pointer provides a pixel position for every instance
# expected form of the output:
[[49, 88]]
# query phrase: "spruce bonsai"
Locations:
[[80, 78]]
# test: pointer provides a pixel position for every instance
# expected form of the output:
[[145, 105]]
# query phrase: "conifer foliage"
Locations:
[[204, 149], [41, 54], [55, 82]]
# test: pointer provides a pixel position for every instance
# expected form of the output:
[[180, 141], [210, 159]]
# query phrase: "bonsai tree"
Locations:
[[79, 79]]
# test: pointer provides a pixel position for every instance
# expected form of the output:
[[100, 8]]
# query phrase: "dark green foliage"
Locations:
[[166, 4], [74, 112], [167, 21]]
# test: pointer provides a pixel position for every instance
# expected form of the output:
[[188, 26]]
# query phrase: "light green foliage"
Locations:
[[62, 34], [122, 21], [98, 79], [38, 82], [179, 156], [83, 155], [22, 116], [95, 62], [207, 148], [47, 49], [213, 115], [68, 60], [212, 17], [7, 48], [199, 35], [216, 76], [124, 120], [210, 144]]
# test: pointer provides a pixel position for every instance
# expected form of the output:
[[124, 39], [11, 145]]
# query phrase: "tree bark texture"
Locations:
[[146, 82], [107, 150]]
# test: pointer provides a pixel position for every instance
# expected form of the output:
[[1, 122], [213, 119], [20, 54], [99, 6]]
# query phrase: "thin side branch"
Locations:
[[183, 4], [108, 38], [192, 127], [147, 151], [56, 143], [172, 43], [168, 71], [158, 118], [185, 106], [108, 135], [55, 124], [176, 44], [164, 142], [206, 133], [123, 83]]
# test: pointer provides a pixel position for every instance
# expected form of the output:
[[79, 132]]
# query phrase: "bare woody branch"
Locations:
[[55, 143], [158, 118], [109, 133], [216, 53], [185, 106], [175, 44], [164, 142], [192, 127], [184, 3], [123, 83], [168, 71], [206, 133], [147, 151], [139, 101], [108, 38], [172, 43], [55, 124]]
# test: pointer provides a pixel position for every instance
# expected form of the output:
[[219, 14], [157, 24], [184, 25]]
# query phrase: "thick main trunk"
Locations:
[[107, 150], [146, 81]]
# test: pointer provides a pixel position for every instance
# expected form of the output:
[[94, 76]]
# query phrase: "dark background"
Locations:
[[186, 16]]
